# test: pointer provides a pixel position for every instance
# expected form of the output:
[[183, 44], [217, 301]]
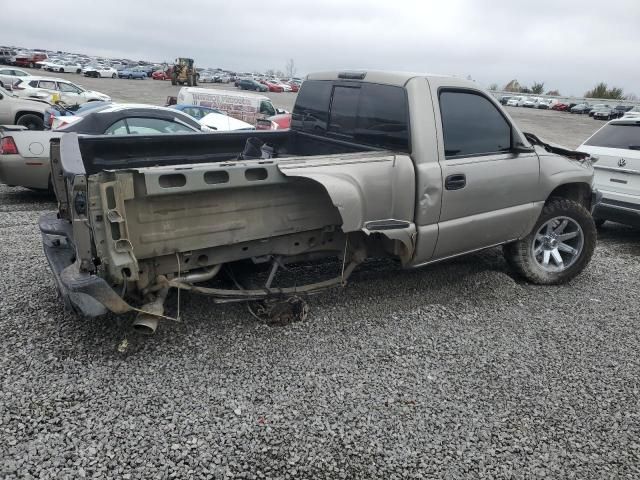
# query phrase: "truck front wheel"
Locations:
[[558, 248]]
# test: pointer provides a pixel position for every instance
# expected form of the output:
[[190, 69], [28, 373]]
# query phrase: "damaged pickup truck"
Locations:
[[413, 167]]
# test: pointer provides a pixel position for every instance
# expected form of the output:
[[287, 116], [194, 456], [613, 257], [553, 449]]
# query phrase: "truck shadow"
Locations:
[[19, 195], [624, 237]]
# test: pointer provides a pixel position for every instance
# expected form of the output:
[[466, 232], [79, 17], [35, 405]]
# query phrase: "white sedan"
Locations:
[[615, 149], [224, 123], [99, 71], [285, 86], [64, 67]]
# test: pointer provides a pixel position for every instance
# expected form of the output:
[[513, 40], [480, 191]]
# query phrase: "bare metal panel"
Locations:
[[184, 221]]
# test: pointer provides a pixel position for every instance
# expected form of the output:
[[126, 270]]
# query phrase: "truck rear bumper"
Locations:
[[82, 292]]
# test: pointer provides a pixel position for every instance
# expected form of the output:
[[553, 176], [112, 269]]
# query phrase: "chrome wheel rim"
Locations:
[[557, 244]]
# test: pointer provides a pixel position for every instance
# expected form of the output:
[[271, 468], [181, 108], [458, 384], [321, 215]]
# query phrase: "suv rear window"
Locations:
[[366, 113], [617, 135]]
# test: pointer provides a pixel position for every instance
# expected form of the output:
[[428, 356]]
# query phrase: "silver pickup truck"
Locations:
[[413, 167]]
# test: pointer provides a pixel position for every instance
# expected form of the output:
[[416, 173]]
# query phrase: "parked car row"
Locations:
[[268, 84], [598, 111]]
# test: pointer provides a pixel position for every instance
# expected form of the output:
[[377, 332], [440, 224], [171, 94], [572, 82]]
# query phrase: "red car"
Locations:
[[294, 86], [29, 60], [560, 107], [160, 75], [272, 86], [276, 122]]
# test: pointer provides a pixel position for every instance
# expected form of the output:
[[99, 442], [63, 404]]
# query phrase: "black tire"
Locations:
[[195, 80], [79, 70], [520, 254], [114, 75], [31, 121], [130, 77], [98, 75], [32, 65], [61, 70], [189, 81]]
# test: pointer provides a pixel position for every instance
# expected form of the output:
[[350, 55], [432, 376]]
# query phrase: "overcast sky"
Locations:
[[568, 44]]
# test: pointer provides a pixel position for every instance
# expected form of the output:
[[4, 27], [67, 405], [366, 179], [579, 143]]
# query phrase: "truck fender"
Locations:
[[372, 194]]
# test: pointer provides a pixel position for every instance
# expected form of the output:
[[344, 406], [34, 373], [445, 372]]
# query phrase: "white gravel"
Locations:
[[453, 371]]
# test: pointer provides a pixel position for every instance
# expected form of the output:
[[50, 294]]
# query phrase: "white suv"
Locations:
[[616, 149], [9, 75], [70, 93]]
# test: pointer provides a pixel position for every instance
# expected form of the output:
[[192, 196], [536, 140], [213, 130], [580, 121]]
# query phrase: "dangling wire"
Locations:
[[344, 258], [178, 313]]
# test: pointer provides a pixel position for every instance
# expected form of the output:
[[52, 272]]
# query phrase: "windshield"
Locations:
[[617, 135]]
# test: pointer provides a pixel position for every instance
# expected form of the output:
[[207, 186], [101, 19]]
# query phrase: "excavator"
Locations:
[[184, 72]]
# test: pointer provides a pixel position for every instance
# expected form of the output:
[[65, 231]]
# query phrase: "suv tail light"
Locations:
[[8, 146]]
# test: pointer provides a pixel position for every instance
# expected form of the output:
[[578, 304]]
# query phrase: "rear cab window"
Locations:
[[366, 113]]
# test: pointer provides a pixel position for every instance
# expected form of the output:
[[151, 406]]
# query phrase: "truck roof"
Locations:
[[375, 76]]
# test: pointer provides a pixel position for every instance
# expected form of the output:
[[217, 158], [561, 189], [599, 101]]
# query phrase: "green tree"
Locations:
[[553, 93], [525, 90], [537, 88], [602, 91]]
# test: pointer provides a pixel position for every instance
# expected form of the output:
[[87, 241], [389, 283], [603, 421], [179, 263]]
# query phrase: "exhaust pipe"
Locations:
[[146, 321], [145, 324]]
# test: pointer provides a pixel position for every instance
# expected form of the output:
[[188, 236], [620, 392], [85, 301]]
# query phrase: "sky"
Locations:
[[570, 45]]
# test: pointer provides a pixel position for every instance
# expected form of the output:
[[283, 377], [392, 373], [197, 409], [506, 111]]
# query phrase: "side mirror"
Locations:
[[520, 147], [280, 111]]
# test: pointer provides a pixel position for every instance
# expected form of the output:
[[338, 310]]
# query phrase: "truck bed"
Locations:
[[111, 153]]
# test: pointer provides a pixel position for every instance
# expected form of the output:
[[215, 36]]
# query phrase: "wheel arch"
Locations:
[[22, 113], [577, 191]]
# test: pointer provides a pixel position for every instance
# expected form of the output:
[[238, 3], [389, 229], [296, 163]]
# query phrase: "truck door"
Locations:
[[489, 190]]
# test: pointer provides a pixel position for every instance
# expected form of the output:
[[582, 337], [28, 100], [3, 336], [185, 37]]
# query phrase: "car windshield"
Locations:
[[616, 135]]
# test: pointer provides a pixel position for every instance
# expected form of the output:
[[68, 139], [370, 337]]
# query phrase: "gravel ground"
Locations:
[[458, 370]]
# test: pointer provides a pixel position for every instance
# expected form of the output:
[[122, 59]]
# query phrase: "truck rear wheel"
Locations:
[[558, 248], [31, 121], [174, 79]]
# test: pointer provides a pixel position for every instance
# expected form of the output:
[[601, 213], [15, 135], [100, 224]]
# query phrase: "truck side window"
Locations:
[[472, 125]]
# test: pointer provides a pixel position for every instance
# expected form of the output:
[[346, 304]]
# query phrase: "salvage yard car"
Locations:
[[98, 71], [617, 171], [24, 158], [8, 76], [26, 112], [376, 164], [69, 92]]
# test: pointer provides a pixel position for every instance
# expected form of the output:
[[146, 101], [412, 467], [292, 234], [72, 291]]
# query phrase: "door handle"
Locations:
[[455, 182]]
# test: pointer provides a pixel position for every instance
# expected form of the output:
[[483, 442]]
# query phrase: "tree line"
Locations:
[[601, 90]]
